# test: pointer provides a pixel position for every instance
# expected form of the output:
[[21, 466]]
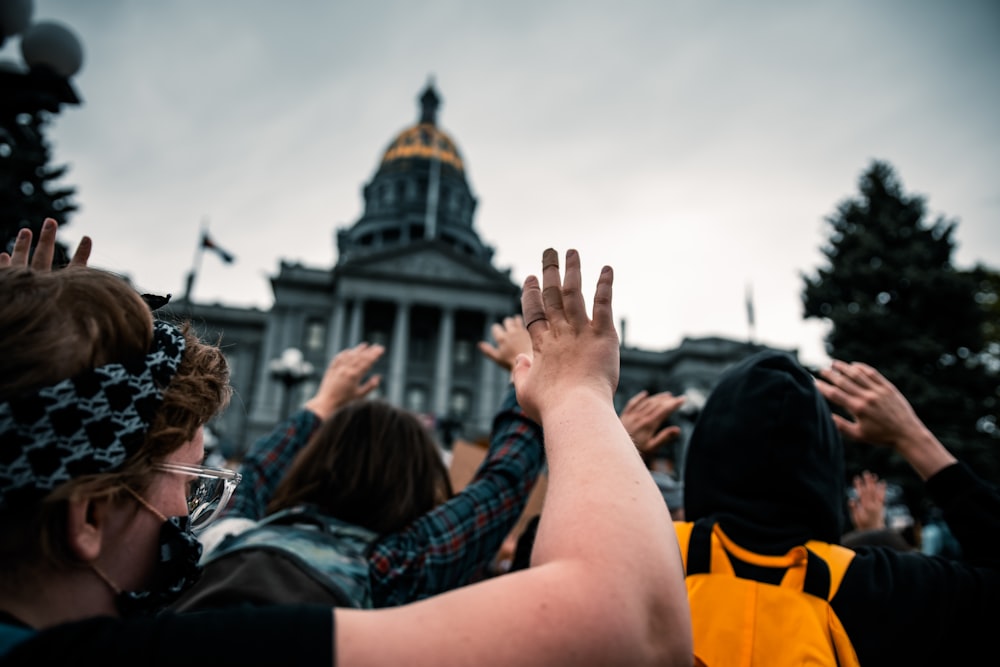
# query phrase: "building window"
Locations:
[[416, 399], [460, 404], [315, 338], [463, 352]]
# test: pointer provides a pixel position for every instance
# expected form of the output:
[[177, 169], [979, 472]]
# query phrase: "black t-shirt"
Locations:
[[280, 635]]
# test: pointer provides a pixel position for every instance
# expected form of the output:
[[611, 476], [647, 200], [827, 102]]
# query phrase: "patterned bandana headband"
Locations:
[[87, 424]]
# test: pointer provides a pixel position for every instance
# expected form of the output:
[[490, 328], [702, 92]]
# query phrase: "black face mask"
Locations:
[[176, 571]]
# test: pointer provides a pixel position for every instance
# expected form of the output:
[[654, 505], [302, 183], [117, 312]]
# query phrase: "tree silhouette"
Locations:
[[897, 302], [29, 191]]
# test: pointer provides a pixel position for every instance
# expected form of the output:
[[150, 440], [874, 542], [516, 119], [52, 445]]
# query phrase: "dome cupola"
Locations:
[[419, 192]]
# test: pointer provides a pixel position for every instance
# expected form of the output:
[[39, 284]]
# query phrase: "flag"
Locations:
[[749, 298], [207, 242]]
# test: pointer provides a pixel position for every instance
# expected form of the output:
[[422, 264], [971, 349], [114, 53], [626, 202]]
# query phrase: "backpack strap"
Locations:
[[816, 567]]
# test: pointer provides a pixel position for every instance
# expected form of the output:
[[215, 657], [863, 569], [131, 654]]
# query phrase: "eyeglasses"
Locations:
[[208, 492]]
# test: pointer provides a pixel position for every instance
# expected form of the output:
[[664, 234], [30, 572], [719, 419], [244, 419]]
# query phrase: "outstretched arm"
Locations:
[[881, 415], [606, 584], [265, 464]]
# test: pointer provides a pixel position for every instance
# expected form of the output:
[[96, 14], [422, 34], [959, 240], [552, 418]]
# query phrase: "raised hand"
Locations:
[[571, 351], [868, 508], [344, 379], [511, 339], [881, 415], [45, 251], [642, 416]]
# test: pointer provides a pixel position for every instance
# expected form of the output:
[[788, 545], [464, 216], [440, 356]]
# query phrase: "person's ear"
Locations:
[[85, 519]]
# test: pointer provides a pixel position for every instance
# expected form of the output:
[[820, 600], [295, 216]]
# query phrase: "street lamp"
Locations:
[[291, 369]]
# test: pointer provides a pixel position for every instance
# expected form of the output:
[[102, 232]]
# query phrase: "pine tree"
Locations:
[[896, 302], [29, 192]]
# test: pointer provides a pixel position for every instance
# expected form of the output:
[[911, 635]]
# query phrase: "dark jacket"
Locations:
[[766, 462]]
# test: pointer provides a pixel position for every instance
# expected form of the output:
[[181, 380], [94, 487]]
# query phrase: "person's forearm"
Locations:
[[924, 452], [598, 485], [265, 464], [594, 471]]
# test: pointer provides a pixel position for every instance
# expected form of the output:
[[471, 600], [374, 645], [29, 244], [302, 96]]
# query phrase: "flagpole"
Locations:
[[196, 264]]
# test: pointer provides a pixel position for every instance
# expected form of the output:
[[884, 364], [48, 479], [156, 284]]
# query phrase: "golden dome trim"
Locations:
[[424, 140]]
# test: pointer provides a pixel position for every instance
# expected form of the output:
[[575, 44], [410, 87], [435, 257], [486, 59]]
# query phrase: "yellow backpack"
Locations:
[[749, 623]]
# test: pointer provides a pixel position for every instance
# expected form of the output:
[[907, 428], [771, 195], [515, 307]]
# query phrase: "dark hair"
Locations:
[[53, 326], [370, 464]]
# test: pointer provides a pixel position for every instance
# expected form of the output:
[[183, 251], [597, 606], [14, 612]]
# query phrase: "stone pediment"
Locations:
[[430, 263]]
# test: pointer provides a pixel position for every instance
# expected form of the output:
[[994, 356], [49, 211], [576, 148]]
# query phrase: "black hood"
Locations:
[[765, 458]]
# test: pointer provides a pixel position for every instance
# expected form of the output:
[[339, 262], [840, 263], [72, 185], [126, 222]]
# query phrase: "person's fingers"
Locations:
[[849, 377], [848, 428], [572, 291], [4, 260], [22, 248], [46, 246], [551, 289], [664, 436], [369, 385], [496, 331], [832, 392], [82, 254], [491, 352], [531, 304], [603, 317], [522, 366], [635, 400]]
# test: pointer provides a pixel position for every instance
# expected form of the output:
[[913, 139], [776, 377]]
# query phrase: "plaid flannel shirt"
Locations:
[[448, 547]]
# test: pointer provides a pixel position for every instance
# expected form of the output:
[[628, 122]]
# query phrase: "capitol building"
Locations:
[[412, 274]]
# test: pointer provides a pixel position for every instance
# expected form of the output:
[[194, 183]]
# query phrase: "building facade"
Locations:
[[412, 274]]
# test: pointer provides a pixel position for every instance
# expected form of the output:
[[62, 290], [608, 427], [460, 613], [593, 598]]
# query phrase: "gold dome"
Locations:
[[424, 140]]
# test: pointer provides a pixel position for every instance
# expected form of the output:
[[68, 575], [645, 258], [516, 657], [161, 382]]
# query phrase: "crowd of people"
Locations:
[[338, 539]]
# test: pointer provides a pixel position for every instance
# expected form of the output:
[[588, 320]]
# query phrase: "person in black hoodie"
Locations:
[[765, 463]]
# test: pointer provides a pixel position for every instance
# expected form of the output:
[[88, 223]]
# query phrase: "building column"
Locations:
[[398, 352], [335, 336], [488, 379], [357, 320], [442, 371]]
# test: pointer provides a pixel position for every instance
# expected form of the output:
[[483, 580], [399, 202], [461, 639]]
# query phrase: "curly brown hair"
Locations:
[[55, 325]]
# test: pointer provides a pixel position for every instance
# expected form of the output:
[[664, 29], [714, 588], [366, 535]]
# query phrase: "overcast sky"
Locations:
[[695, 146]]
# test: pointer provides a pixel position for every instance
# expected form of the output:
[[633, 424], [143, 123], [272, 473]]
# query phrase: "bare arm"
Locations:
[[882, 415], [606, 584]]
